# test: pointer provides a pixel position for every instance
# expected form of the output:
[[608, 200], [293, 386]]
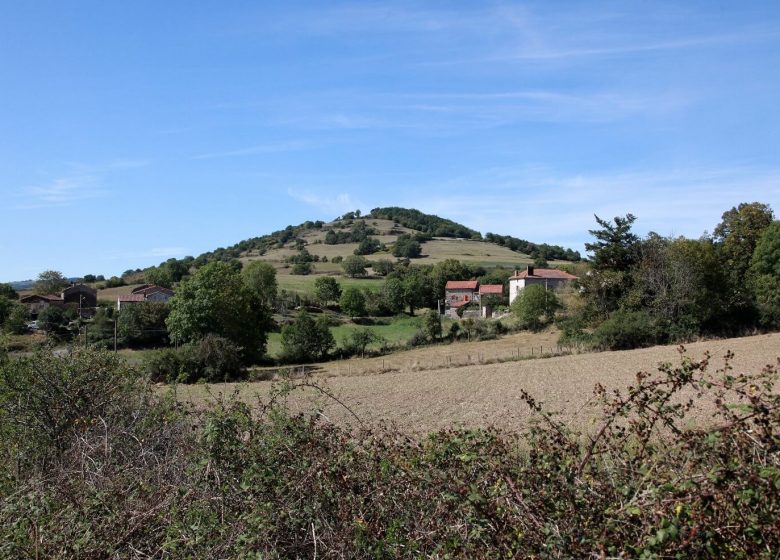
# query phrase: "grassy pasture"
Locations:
[[305, 284], [392, 329]]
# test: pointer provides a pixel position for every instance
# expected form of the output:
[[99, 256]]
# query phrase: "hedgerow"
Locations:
[[130, 474]]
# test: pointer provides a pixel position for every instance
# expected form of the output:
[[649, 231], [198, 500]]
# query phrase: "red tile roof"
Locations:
[[552, 273], [461, 285], [491, 289], [131, 297]]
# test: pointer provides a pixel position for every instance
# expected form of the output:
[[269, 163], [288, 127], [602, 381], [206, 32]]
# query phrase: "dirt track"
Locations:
[[481, 395]]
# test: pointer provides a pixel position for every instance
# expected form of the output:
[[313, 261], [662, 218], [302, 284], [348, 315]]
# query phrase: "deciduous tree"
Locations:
[[306, 339], [535, 305], [260, 278], [50, 282], [354, 265], [216, 300], [327, 289], [353, 302], [765, 275]]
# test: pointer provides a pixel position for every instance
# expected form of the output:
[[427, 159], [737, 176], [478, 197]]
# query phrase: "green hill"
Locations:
[[377, 234]]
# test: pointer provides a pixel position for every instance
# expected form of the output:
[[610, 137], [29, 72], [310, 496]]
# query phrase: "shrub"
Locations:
[[419, 338], [302, 269], [368, 246], [45, 401], [128, 472], [573, 333], [16, 322], [407, 247], [213, 359], [625, 330], [382, 267]]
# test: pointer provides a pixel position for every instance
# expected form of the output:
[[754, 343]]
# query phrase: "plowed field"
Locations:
[[425, 393]]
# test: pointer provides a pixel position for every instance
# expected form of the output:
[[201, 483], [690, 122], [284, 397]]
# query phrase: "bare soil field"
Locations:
[[479, 395]]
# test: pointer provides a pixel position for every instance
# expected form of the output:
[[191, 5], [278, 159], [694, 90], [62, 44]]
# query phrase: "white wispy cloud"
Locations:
[[268, 148], [79, 182], [62, 191], [335, 204], [506, 107]]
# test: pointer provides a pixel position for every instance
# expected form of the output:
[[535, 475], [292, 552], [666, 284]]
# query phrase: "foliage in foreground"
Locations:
[[134, 476]]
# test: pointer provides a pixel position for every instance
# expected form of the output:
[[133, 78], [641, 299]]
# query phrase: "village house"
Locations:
[[550, 278], [36, 303], [79, 297], [460, 292], [145, 292]]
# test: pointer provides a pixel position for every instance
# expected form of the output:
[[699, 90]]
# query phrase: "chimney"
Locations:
[[530, 270]]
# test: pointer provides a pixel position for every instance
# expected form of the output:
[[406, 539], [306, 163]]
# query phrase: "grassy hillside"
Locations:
[[471, 251]]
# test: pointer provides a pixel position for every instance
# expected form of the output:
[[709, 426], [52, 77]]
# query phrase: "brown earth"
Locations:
[[476, 395]]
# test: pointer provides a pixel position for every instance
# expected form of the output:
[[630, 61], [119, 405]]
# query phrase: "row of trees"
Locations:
[[662, 289], [540, 251]]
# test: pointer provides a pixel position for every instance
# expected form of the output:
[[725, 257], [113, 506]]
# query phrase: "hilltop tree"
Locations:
[[159, 276], [50, 282], [216, 300]]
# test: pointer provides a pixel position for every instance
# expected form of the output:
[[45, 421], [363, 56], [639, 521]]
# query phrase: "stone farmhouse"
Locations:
[[458, 293], [80, 297], [550, 278]]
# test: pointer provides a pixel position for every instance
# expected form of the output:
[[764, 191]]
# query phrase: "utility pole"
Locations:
[[115, 319]]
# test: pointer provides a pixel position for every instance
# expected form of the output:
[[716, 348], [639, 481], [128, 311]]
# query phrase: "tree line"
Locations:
[[656, 289]]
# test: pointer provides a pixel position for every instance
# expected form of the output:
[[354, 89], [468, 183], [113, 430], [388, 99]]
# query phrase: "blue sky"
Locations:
[[131, 132]]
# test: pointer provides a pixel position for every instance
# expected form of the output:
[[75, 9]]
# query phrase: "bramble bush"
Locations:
[[130, 474]]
